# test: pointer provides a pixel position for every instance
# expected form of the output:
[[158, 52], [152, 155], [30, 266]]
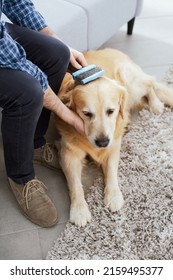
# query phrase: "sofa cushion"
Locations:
[[67, 20], [105, 18]]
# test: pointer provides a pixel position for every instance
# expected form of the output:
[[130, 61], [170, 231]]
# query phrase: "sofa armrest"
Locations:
[[139, 6]]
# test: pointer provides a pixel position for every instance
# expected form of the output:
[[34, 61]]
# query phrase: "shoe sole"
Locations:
[[47, 165]]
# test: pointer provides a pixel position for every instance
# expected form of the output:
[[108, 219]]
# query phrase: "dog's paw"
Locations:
[[80, 214], [157, 107], [113, 200]]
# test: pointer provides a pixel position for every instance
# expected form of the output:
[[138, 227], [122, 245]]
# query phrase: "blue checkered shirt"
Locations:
[[12, 54]]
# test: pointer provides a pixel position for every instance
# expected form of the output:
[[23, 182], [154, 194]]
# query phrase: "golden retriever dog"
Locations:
[[105, 106]]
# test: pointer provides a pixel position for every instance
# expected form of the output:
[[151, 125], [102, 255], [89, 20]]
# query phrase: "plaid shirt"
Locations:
[[12, 54]]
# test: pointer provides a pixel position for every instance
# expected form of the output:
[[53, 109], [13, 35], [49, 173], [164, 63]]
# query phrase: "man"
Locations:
[[33, 62]]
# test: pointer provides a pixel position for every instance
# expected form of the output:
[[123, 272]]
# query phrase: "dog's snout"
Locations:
[[102, 141]]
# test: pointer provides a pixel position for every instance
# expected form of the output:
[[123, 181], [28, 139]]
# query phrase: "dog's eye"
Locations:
[[110, 112], [88, 114]]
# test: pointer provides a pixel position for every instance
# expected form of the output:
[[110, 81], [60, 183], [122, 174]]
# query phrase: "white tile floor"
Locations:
[[151, 46]]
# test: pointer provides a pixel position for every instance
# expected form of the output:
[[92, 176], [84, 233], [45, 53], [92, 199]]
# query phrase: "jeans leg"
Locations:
[[51, 56], [21, 98], [56, 72]]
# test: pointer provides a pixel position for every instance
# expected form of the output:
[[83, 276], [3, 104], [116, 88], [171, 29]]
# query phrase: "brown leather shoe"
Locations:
[[35, 203], [47, 156]]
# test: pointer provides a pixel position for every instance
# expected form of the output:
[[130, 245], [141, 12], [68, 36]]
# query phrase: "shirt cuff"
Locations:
[[34, 21]]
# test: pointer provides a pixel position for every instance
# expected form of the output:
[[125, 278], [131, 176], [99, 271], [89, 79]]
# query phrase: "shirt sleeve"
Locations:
[[12, 55], [23, 13]]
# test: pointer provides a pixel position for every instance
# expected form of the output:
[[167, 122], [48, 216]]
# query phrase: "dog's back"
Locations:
[[120, 67]]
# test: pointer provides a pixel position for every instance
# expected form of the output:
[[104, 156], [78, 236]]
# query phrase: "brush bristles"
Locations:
[[88, 73]]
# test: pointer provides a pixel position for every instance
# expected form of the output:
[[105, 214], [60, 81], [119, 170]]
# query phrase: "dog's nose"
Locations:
[[102, 142]]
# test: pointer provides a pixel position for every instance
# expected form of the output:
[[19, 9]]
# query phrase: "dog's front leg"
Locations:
[[71, 163], [113, 197]]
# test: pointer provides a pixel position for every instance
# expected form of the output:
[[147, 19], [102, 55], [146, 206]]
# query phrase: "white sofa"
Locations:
[[87, 24]]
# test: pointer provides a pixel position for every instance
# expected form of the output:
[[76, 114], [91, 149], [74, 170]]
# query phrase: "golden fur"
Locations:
[[104, 105]]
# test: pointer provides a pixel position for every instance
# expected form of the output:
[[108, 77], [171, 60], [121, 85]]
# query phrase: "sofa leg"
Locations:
[[130, 25]]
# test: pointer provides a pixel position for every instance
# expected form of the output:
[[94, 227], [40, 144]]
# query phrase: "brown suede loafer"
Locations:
[[35, 203]]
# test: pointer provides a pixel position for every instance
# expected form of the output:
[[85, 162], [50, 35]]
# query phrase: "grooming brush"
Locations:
[[88, 74]]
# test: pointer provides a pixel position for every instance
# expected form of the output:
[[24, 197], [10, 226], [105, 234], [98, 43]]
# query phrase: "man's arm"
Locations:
[[23, 13]]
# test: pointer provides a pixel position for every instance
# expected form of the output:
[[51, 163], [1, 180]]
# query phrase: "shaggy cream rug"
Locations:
[[143, 228]]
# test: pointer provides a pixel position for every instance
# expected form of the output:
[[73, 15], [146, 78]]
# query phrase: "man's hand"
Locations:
[[53, 103], [77, 59]]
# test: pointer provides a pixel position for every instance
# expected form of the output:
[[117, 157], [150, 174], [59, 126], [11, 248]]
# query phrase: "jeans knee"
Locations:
[[58, 58], [33, 100], [65, 55], [58, 55]]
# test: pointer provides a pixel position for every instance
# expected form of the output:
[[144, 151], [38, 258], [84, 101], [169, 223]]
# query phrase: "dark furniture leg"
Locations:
[[130, 25]]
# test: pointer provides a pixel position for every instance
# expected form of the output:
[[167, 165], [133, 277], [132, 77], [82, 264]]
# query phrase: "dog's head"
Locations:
[[99, 103]]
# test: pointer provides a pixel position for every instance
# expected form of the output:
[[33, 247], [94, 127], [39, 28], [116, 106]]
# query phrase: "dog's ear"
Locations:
[[66, 92], [122, 101]]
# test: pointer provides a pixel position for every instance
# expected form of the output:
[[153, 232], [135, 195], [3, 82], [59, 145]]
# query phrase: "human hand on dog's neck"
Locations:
[[54, 104]]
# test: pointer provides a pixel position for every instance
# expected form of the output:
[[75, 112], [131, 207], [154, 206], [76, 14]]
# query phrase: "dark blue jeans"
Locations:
[[24, 120]]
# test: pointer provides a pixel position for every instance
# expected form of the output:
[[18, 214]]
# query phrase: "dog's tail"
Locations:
[[164, 93]]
